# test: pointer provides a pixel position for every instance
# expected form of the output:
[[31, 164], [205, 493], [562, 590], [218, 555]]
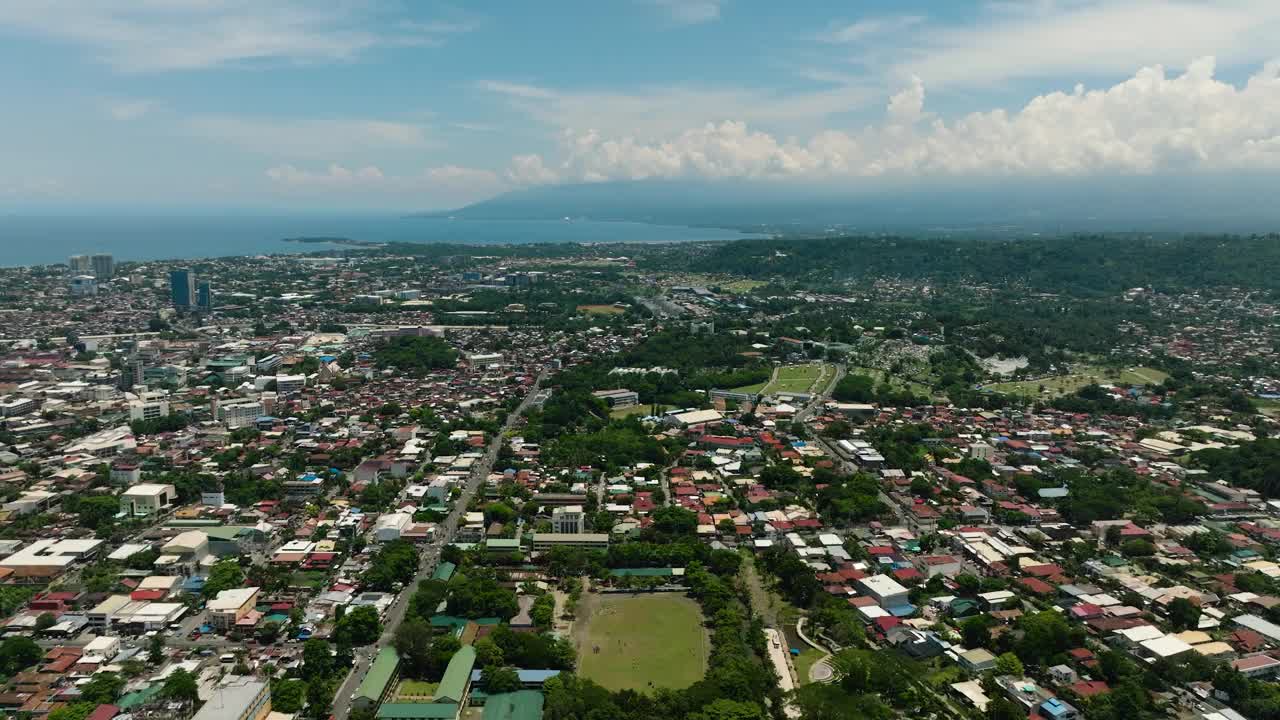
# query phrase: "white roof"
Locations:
[[1167, 646], [698, 417], [883, 585], [232, 599], [1141, 633]]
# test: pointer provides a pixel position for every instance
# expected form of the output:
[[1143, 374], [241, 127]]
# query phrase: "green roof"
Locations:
[[418, 711], [502, 543], [642, 572], [454, 683], [380, 674], [444, 571], [443, 621], [139, 697], [522, 705]]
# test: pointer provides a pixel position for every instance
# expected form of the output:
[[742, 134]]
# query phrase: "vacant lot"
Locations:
[[643, 409], [641, 642], [600, 309]]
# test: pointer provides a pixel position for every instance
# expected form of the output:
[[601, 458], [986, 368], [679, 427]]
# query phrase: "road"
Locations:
[[782, 667], [430, 555]]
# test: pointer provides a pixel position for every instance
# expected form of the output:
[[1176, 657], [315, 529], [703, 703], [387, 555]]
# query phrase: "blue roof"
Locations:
[[902, 610]]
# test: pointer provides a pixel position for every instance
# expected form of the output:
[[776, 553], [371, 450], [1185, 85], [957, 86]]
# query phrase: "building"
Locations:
[[80, 264], [618, 398], [147, 499], [230, 606], [14, 406], [237, 698], [148, 409], [391, 526], [886, 591], [84, 285], [1257, 667], [184, 554], [182, 288], [240, 413], [457, 676], [567, 520], [379, 682], [104, 266], [204, 296], [49, 558], [591, 541], [290, 384]]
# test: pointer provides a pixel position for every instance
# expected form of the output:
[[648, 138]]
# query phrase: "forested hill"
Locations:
[[1087, 264]]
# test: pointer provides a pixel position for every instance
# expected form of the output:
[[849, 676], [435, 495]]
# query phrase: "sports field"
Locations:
[[641, 642], [601, 309]]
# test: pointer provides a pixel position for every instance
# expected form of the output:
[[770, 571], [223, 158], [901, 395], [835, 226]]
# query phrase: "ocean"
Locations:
[[44, 240]]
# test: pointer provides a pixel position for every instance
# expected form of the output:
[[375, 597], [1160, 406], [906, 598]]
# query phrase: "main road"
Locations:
[[430, 556]]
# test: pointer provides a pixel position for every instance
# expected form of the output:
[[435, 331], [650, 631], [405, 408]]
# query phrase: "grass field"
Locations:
[[416, 689], [795, 379], [1065, 384], [642, 642], [636, 410], [804, 661], [600, 310]]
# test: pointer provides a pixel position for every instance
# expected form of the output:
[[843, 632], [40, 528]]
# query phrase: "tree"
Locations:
[[488, 654], [45, 621], [1009, 664], [78, 711], [317, 658], [104, 687], [224, 575], [359, 627], [287, 695], [269, 632], [155, 652], [969, 585], [319, 697], [500, 680], [18, 653], [976, 632], [1184, 614], [412, 642], [181, 685], [1002, 708], [726, 709]]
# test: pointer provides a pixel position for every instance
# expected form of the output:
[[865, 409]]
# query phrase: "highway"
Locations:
[[428, 559]]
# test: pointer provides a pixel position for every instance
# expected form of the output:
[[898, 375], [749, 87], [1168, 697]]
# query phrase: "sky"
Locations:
[[419, 105]]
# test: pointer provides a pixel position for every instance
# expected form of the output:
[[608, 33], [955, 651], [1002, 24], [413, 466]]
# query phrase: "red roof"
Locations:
[[1089, 688], [149, 595], [1036, 585]]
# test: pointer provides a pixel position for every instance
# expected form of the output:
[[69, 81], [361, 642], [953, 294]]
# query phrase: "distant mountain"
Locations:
[[1207, 203]]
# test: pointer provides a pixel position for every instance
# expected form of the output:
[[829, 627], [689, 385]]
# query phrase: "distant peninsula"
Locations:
[[320, 240]]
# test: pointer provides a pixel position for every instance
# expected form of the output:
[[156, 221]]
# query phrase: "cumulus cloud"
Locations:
[[1151, 122]]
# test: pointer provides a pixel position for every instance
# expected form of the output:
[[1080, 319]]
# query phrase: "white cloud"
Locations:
[[157, 35], [1150, 123], [130, 109], [690, 12], [442, 186], [1073, 39], [306, 137], [870, 28], [656, 112]]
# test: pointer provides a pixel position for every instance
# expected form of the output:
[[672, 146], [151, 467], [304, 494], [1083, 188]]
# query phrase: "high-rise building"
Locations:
[[104, 266], [182, 288], [80, 264], [204, 296], [82, 285]]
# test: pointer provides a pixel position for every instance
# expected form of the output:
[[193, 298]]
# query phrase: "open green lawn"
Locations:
[[1066, 384], [636, 410], [416, 689], [642, 642], [758, 387], [794, 379], [308, 578], [804, 661]]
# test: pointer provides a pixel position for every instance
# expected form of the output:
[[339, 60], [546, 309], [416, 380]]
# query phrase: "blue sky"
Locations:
[[411, 104]]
